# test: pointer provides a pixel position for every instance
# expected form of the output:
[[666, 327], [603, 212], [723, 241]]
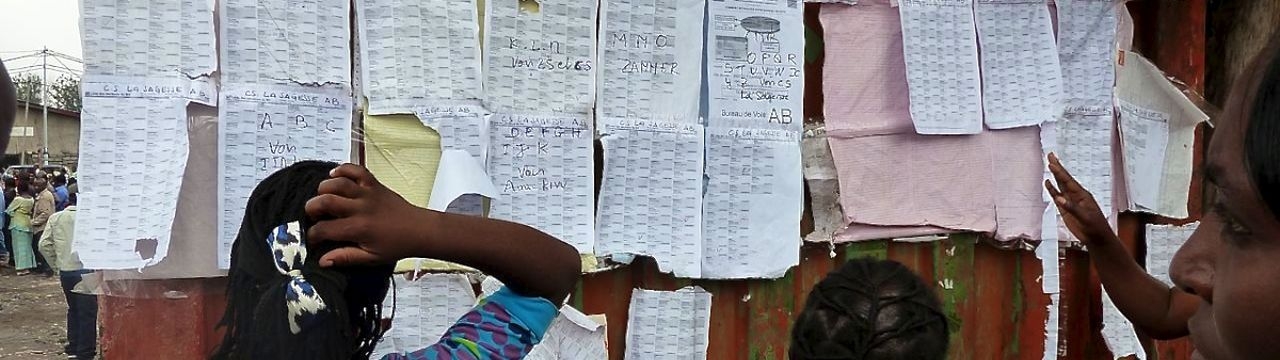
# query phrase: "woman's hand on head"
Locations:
[[353, 207], [1079, 210]]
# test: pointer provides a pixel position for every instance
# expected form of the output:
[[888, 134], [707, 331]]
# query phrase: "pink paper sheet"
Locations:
[[897, 183], [1018, 167]]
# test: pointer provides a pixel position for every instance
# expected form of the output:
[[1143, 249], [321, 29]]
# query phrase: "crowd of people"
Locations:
[[39, 228], [31, 198]]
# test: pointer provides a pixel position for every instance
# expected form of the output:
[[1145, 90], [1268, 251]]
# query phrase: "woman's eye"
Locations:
[[1235, 227], [1231, 228]]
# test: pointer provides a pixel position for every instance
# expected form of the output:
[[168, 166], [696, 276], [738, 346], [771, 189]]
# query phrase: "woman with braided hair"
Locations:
[[280, 303], [870, 310], [313, 259]]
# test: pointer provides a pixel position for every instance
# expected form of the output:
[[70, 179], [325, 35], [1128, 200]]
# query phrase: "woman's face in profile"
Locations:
[[1232, 262]]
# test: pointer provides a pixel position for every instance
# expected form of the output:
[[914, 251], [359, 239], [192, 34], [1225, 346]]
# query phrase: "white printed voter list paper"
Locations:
[[424, 310], [1141, 88], [753, 198], [286, 42], [149, 38], [1144, 135], [129, 144], [669, 325], [940, 45], [651, 193], [144, 62], [752, 203], [573, 336], [1087, 51], [1021, 76], [541, 165], [1118, 332], [540, 56], [1163, 242], [650, 59], [418, 51], [755, 64], [462, 181], [1084, 146], [264, 128]]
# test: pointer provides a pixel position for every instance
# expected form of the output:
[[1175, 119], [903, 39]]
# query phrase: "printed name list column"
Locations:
[[417, 51], [542, 167], [264, 128], [651, 194], [650, 78], [753, 200], [145, 61]]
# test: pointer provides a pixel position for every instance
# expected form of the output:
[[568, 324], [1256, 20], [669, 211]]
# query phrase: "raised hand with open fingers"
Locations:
[[1079, 210], [353, 207]]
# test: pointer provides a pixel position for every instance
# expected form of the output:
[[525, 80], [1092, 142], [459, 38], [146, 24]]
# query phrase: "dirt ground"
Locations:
[[32, 317]]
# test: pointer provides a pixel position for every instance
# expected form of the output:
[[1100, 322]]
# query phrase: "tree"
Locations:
[[66, 93], [29, 88]]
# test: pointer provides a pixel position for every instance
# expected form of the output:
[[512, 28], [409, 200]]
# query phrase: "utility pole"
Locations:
[[44, 100]]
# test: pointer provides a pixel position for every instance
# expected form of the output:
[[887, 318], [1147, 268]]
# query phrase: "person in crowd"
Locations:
[[9, 192], [8, 111], [1226, 281], [77, 283], [19, 211], [311, 264], [72, 187], [59, 189], [45, 206], [867, 310]]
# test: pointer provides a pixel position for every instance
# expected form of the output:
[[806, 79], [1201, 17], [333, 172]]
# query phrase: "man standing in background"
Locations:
[[45, 207], [60, 192], [78, 284]]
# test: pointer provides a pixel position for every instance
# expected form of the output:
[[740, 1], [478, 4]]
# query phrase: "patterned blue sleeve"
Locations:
[[504, 325]]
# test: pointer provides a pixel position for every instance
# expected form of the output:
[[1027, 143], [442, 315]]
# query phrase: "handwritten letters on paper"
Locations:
[[650, 58], [651, 191], [539, 165], [753, 198], [540, 59], [266, 128]]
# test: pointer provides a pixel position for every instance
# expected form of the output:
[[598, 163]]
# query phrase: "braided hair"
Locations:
[[870, 310], [280, 303]]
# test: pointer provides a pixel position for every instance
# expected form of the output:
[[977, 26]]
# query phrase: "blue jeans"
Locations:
[[82, 317]]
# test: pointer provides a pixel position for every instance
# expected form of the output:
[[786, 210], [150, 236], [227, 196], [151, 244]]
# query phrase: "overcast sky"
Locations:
[[27, 25]]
